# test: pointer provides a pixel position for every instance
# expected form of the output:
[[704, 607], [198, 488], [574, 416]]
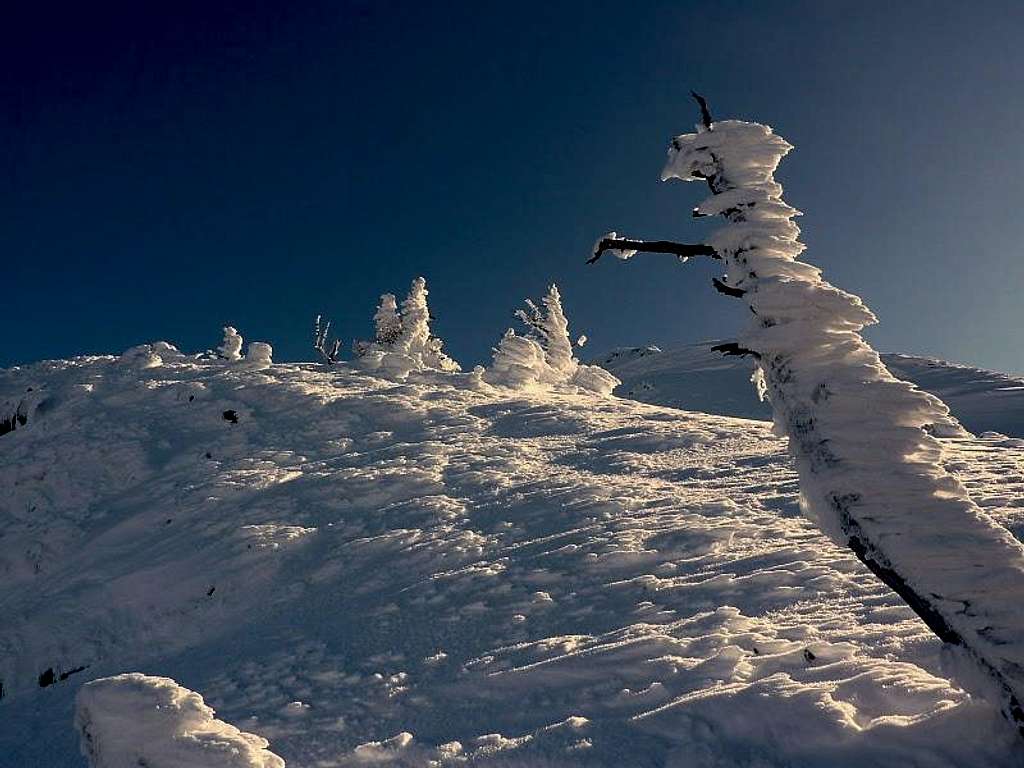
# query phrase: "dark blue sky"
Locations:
[[168, 168]]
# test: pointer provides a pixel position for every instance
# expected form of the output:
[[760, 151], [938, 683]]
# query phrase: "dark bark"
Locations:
[[682, 250], [728, 290], [732, 348], [705, 114]]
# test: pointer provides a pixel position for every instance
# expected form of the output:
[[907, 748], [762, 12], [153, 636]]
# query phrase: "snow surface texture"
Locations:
[[696, 378], [136, 720], [403, 342], [440, 572], [544, 357], [870, 474]]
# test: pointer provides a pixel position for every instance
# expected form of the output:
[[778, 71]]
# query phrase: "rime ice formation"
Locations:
[[545, 355], [870, 472], [135, 720]]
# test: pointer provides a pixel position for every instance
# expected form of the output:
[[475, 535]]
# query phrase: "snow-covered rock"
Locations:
[[134, 720]]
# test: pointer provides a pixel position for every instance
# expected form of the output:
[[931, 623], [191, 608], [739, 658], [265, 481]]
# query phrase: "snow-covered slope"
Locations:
[[440, 572], [693, 377]]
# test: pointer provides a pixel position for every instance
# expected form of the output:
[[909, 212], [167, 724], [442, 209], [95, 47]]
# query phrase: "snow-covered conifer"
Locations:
[[415, 327], [545, 354], [402, 339], [414, 338], [387, 323], [231, 347]]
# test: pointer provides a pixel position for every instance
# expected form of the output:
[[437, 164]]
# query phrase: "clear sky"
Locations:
[[169, 168]]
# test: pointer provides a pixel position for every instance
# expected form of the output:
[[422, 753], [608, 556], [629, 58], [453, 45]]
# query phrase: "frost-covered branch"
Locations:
[[330, 352], [627, 246]]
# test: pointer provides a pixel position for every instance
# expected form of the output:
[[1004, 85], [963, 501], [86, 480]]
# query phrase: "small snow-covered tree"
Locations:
[[402, 338], [386, 322], [231, 346], [415, 327], [545, 354]]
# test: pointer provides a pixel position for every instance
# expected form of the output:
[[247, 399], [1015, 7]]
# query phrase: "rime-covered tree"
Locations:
[[870, 470], [551, 329], [402, 338], [545, 354], [387, 323]]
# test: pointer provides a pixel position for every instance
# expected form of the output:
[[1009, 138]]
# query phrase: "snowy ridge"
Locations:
[[437, 572], [870, 472], [696, 378]]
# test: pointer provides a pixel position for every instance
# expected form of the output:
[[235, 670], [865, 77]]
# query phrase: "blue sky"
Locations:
[[169, 170]]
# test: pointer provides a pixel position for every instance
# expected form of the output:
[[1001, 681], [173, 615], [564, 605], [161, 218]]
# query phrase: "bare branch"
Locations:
[[705, 114], [682, 250], [723, 287], [732, 348], [330, 354]]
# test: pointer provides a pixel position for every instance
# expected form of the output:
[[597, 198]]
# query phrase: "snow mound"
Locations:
[[135, 720]]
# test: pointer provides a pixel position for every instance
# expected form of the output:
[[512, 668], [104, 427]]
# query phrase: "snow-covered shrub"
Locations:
[[133, 719], [403, 341], [231, 347], [259, 355], [545, 354], [150, 355]]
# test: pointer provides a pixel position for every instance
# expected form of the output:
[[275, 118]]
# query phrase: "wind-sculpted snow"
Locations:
[[870, 471], [437, 572]]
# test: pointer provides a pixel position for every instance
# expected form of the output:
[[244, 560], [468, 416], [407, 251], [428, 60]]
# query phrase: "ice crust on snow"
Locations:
[[134, 720], [870, 472], [409, 557]]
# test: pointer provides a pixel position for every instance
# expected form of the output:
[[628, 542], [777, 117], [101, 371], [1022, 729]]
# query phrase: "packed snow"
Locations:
[[437, 571], [696, 378]]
